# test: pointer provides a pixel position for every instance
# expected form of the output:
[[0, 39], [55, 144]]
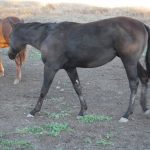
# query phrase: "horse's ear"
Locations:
[[12, 22]]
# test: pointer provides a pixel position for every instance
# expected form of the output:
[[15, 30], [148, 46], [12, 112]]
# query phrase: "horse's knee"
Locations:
[[134, 84]]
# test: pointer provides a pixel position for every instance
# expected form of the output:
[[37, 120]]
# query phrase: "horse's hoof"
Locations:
[[16, 81], [80, 113], [30, 116], [1, 74], [147, 113], [123, 120]]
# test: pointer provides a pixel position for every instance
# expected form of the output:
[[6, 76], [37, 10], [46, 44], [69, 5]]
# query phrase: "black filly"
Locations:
[[68, 45]]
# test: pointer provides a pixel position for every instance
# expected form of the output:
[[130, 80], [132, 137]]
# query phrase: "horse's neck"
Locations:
[[32, 39], [35, 36]]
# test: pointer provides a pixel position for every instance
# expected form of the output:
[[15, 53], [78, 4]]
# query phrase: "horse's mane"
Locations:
[[37, 25]]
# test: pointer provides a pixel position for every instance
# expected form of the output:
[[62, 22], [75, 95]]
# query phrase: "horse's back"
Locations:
[[96, 43]]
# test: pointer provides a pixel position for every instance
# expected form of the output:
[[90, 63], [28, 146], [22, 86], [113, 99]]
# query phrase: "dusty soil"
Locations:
[[105, 90]]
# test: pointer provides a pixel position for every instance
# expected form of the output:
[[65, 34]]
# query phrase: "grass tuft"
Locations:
[[53, 129], [94, 118], [106, 140], [59, 115], [32, 130], [88, 140], [15, 144]]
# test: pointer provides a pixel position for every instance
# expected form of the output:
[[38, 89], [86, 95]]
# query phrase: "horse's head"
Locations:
[[16, 42], [15, 46], [12, 53]]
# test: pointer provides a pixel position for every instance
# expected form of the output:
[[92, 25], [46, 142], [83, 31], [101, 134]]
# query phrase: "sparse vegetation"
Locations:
[[84, 132], [56, 99], [53, 129], [15, 144], [58, 115], [106, 140], [88, 140], [93, 118]]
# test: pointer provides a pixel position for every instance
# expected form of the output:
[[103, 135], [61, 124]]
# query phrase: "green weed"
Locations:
[[57, 99], [53, 129], [32, 130], [93, 118], [15, 144], [59, 115], [88, 140], [106, 140]]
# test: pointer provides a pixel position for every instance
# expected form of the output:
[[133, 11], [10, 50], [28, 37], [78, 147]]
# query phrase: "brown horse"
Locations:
[[68, 45], [5, 30]]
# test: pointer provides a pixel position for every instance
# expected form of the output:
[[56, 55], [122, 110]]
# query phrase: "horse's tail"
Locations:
[[147, 58], [21, 57]]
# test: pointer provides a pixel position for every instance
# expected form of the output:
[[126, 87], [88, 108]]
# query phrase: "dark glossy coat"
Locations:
[[68, 45]]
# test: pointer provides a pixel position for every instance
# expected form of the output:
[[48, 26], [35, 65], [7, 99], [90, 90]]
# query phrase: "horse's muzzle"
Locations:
[[11, 55]]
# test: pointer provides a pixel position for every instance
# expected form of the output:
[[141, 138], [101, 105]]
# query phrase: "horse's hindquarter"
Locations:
[[3, 41], [5, 30], [131, 38]]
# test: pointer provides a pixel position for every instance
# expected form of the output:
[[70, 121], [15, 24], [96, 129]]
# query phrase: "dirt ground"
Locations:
[[105, 90]]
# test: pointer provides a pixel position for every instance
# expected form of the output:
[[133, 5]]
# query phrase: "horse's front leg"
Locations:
[[1, 66], [49, 73], [73, 75], [20, 58], [18, 71]]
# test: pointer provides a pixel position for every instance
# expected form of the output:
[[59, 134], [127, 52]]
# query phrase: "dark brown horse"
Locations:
[[69, 45], [5, 30]]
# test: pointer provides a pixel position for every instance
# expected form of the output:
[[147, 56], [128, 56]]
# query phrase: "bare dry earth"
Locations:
[[105, 89]]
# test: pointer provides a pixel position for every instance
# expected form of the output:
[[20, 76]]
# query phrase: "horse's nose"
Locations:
[[11, 55]]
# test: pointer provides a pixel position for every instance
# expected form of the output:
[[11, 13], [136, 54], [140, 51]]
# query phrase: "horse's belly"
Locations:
[[98, 60]]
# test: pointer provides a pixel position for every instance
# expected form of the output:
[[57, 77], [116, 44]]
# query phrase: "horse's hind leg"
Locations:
[[73, 75], [131, 70], [143, 75], [1, 66]]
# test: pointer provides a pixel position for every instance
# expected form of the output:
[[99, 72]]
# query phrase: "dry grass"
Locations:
[[33, 11]]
